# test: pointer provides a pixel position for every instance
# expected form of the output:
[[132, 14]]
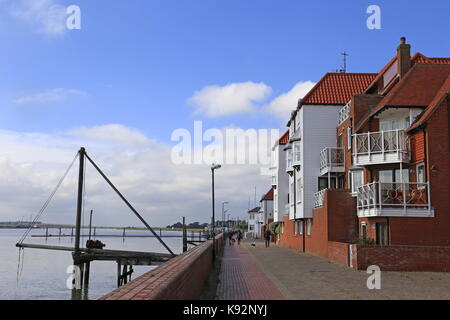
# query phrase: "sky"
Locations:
[[138, 70]]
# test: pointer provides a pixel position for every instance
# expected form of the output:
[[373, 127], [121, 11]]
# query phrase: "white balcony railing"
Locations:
[[381, 147], [344, 113], [332, 158], [393, 196], [319, 198]]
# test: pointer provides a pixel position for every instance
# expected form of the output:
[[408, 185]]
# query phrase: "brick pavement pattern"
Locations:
[[257, 273], [241, 278]]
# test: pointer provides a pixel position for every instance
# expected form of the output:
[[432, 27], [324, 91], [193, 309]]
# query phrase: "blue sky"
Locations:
[[140, 61], [139, 69]]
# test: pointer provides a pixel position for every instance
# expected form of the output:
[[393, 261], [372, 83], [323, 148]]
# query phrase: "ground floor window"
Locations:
[[382, 234], [282, 227], [309, 223], [364, 231]]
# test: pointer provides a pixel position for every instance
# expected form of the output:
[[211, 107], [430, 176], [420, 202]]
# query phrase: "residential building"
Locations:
[[254, 222], [267, 210], [312, 131], [280, 180]]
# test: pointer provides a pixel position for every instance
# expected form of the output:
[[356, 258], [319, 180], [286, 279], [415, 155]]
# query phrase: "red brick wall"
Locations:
[[336, 221], [402, 258], [417, 147], [181, 278], [288, 239], [338, 252]]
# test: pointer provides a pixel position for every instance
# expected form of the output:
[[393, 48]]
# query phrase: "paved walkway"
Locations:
[[256, 273], [241, 278]]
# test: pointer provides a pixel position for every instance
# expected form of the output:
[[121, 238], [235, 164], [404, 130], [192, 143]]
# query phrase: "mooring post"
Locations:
[[184, 235], [124, 233], [118, 274], [87, 269], [46, 233]]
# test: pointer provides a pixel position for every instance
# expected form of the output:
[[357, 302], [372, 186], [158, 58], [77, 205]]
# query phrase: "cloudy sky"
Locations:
[[138, 70]]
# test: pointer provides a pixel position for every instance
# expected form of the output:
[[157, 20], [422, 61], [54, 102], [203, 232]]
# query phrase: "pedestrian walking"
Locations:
[[239, 237], [230, 239], [267, 236]]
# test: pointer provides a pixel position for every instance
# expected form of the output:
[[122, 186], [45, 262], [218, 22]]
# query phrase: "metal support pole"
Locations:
[[90, 224], [213, 220], [82, 154]]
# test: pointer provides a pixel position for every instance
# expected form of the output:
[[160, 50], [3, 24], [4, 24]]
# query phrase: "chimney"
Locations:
[[403, 57]]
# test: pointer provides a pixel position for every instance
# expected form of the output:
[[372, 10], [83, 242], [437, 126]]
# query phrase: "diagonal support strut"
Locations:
[[128, 204]]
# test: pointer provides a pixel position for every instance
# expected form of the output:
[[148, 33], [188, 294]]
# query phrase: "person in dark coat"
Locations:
[[267, 236]]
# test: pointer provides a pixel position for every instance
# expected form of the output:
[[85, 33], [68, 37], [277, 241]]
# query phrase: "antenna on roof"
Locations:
[[344, 68]]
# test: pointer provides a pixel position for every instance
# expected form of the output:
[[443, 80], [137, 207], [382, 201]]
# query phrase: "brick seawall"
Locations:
[[181, 278]]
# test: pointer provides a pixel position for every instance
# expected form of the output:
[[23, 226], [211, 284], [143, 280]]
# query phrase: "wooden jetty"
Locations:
[[82, 257]]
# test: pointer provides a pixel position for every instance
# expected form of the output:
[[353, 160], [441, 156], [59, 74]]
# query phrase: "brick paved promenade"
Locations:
[[280, 273], [241, 278]]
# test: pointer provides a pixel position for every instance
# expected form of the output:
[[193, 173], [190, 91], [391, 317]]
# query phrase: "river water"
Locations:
[[43, 273]]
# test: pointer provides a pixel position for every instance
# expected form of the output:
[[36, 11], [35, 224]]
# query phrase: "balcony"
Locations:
[[381, 148], [332, 160], [394, 200], [319, 198], [344, 113]]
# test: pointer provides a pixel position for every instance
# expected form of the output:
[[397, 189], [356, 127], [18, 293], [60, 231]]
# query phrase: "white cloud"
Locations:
[[284, 104], [48, 96], [44, 16], [113, 133], [232, 99], [32, 163]]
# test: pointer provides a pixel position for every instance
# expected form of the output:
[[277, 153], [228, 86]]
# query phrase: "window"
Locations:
[[357, 180], [299, 191], [363, 231], [382, 234], [393, 176], [282, 227], [297, 155], [421, 173], [308, 227], [339, 141], [349, 138], [298, 227], [291, 193], [289, 159], [323, 183]]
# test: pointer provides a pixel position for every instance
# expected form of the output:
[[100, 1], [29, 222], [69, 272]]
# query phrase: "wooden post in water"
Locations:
[[184, 235]]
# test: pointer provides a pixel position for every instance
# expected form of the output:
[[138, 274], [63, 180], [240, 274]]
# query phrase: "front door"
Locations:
[[382, 234]]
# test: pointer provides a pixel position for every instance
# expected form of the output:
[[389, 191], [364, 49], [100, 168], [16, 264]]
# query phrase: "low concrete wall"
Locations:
[[401, 258], [181, 278]]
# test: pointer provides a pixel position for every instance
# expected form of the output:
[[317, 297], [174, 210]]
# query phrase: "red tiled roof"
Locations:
[[417, 89], [338, 88], [417, 58], [284, 140], [268, 196], [441, 95]]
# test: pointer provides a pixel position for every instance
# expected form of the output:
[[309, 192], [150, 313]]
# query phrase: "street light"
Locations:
[[214, 167]]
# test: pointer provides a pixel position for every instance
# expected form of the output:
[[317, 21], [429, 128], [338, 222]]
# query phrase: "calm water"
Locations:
[[44, 274]]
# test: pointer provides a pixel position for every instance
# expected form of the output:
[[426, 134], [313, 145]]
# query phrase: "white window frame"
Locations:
[[300, 225], [349, 138], [352, 184], [299, 190]]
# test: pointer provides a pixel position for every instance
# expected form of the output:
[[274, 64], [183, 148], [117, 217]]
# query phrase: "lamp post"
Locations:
[[214, 167]]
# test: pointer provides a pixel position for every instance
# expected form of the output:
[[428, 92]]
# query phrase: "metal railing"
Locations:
[[332, 157], [344, 113], [319, 197], [394, 195], [383, 142]]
